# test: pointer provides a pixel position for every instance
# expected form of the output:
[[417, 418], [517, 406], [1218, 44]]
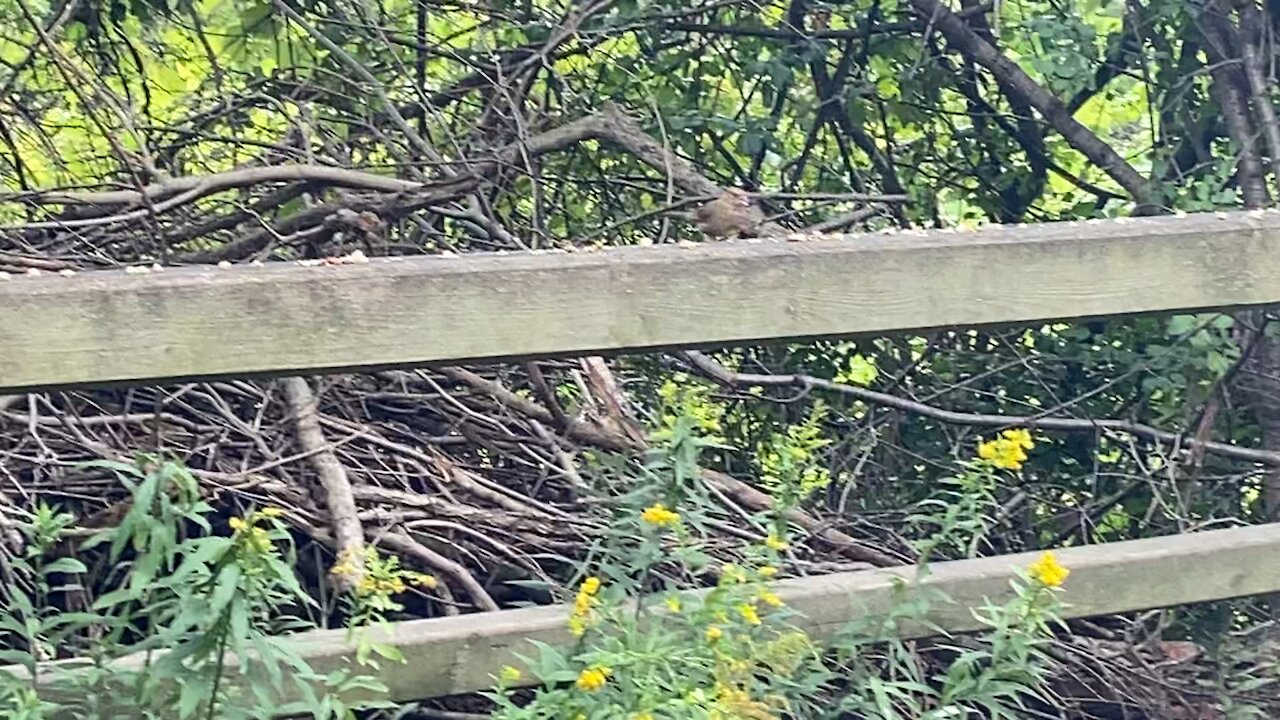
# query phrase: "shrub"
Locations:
[[647, 651]]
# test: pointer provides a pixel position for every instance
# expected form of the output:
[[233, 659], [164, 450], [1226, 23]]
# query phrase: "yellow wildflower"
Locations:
[[732, 574], [714, 633], [659, 516], [1020, 437], [1047, 571], [1008, 450], [592, 678], [770, 599], [673, 604], [271, 512], [773, 542], [643, 716], [582, 605], [259, 540], [509, 675], [585, 599], [768, 571], [238, 524], [749, 614], [422, 580], [784, 654], [737, 704]]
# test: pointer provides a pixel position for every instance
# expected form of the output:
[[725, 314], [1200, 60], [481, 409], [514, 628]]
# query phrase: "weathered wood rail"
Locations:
[[111, 327], [447, 656]]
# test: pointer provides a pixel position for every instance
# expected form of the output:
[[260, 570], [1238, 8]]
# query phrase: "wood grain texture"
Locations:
[[186, 323], [450, 655], [463, 654]]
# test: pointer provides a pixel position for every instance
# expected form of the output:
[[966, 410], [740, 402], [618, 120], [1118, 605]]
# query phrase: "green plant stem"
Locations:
[[217, 676]]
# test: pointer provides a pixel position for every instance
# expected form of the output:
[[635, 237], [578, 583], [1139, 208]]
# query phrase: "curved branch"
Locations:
[[339, 499], [591, 433], [406, 545], [719, 373], [218, 182]]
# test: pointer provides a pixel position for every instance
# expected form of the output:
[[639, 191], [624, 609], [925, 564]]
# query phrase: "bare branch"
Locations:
[[343, 516], [715, 371], [218, 182]]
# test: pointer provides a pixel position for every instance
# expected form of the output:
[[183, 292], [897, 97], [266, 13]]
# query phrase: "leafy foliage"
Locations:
[[730, 652], [185, 602], [814, 104]]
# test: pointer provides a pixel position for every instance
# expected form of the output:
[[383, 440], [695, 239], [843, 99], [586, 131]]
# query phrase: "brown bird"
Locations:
[[731, 215]]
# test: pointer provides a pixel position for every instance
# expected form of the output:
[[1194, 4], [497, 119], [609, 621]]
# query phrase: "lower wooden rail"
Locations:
[[448, 656]]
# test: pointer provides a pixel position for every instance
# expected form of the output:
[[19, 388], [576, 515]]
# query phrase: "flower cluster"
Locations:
[[659, 516], [1008, 450], [381, 577], [583, 604], [732, 702], [1047, 571], [593, 678], [683, 400], [345, 567], [370, 585], [732, 574], [770, 599], [789, 461], [249, 534]]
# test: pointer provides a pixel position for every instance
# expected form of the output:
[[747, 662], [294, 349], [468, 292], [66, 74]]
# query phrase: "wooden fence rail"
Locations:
[[110, 327], [454, 655], [449, 656], [187, 323]]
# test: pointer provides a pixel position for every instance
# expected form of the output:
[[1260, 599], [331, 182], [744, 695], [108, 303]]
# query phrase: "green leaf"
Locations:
[[116, 466], [388, 651], [64, 565], [226, 586]]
